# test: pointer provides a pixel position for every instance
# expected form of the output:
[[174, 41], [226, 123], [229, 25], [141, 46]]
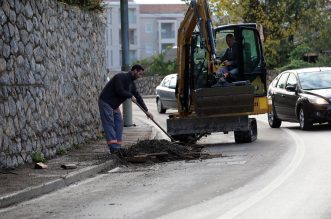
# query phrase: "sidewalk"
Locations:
[[26, 182]]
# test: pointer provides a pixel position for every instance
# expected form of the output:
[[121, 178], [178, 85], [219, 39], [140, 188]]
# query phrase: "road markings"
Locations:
[[299, 154]]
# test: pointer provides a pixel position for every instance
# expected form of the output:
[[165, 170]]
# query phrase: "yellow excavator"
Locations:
[[205, 105]]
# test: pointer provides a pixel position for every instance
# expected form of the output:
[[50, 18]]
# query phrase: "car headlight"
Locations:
[[318, 100]]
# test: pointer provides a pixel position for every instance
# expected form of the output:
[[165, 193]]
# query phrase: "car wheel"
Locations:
[[160, 108], [274, 122], [305, 123]]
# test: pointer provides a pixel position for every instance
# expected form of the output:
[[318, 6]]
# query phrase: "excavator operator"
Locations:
[[229, 70]]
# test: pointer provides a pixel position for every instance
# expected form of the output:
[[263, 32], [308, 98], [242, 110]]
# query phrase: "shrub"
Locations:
[[90, 5], [299, 51], [76, 146], [323, 60], [294, 64], [38, 157], [61, 151]]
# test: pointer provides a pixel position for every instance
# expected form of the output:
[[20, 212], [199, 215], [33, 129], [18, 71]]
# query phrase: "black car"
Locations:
[[301, 95], [165, 93]]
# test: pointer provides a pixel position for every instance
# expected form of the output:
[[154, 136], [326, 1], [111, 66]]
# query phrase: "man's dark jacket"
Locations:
[[231, 54], [120, 88]]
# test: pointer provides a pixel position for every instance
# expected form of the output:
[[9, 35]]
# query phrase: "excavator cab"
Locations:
[[250, 72], [251, 63]]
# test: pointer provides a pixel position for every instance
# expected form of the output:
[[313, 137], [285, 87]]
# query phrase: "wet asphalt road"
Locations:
[[284, 174]]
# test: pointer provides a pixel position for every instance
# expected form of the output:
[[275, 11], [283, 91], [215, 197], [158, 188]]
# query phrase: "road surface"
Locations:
[[284, 174]]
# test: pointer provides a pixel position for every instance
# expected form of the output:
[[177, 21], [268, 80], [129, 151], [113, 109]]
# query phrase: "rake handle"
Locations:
[[158, 125]]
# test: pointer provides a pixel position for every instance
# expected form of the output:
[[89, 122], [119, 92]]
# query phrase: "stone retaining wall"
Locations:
[[52, 68], [147, 85]]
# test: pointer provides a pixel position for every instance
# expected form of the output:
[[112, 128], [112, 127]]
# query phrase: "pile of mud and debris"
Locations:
[[163, 151]]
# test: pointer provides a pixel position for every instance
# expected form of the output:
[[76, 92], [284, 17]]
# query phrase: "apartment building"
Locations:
[[152, 29]]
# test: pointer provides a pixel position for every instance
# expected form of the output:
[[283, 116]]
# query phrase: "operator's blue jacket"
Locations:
[[120, 88]]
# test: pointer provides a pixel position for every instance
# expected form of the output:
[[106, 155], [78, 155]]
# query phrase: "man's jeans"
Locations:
[[112, 124], [233, 71]]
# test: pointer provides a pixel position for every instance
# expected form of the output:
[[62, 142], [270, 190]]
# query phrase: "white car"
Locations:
[[165, 93]]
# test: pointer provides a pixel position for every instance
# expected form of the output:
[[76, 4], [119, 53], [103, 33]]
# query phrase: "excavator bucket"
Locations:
[[223, 100]]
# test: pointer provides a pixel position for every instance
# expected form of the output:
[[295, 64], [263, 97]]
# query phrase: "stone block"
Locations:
[[3, 65]]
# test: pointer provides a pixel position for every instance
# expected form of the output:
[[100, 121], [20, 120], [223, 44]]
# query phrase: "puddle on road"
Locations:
[[224, 163], [231, 160]]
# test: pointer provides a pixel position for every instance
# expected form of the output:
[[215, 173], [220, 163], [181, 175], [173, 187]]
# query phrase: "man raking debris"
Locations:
[[120, 88]]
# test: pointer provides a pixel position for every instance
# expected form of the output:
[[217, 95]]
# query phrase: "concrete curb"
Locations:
[[66, 180], [36, 191]]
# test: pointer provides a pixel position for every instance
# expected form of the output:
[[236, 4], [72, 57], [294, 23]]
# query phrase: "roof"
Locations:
[[163, 9], [310, 69]]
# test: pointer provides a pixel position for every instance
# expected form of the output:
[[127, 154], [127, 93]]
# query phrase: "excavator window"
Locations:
[[221, 45], [251, 61], [251, 52], [199, 63]]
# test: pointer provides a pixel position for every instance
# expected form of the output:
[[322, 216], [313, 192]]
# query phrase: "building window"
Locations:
[[167, 30], [149, 49], [109, 54], [111, 58], [110, 37], [109, 14], [119, 36], [132, 56], [132, 37], [149, 28], [132, 16]]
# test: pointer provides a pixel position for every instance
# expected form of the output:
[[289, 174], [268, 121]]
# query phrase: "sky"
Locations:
[[159, 1]]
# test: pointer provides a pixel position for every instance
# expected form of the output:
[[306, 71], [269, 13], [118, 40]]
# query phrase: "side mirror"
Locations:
[[291, 87]]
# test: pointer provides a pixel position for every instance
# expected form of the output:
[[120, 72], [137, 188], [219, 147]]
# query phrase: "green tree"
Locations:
[[299, 51], [287, 23], [157, 65]]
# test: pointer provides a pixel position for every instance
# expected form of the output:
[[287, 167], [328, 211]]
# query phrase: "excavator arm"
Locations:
[[197, 16]]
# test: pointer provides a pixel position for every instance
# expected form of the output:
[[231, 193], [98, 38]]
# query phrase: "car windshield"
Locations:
[[315, 80]]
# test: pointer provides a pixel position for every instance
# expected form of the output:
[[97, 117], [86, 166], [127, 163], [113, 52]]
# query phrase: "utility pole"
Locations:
[[127, 105]]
